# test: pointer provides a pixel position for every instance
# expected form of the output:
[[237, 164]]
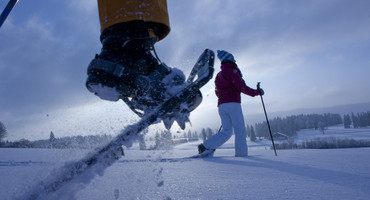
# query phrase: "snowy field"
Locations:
[[168, 174], [336, 131]]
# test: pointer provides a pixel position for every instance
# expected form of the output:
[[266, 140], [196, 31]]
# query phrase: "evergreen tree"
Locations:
[[195, 135], [362, 120], [189, 135], [204, 134], [157, 140], [3, 131], [367, 118], [142, 144], [347, 121], [355, 121], [52, 140], [52, 136], [209, 133], [253, 135], [247, 129], [309, 124]]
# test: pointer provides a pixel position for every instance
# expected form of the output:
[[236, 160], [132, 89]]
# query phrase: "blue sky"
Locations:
[[307, 54]]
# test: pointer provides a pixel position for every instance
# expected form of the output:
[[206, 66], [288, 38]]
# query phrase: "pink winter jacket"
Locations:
[[229, 85]]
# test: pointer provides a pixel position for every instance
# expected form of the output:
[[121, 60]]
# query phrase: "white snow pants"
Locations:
[[231, 117]]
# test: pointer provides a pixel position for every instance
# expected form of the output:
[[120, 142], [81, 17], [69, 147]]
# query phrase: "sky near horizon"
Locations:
[[306, 54]]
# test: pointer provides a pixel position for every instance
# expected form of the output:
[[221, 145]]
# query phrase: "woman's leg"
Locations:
[[221, 137], [237, 120]]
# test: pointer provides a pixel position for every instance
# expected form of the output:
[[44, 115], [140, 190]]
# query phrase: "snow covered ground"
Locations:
[[336, 131], [168, 174]]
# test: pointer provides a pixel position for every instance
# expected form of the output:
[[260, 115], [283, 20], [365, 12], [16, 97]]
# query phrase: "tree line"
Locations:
[[3, 132], [161, 139], [359, 120], [292, 124], [289, 125], [69, 142]]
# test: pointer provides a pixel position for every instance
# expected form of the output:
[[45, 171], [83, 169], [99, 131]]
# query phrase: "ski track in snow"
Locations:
[[170, 174]]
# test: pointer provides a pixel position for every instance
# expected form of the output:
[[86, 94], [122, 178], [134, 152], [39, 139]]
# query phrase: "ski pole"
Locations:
[[7, 11], [267, 120]]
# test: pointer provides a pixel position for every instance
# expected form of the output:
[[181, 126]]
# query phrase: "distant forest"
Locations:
[[289, 126], [292, 124]]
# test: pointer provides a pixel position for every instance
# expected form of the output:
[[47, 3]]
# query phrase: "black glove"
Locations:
[[260, 90]]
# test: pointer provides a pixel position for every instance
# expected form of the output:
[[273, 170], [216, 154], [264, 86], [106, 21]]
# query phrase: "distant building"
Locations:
[[280, 136]]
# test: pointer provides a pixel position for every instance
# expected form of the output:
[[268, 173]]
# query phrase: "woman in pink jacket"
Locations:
[[229, 85]]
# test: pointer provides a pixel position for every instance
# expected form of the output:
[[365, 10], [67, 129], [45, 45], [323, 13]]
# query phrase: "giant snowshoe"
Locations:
[[129, 69]]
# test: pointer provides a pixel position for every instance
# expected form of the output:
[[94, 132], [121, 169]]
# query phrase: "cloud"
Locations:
[[43, 62], [33, 70], [85, 6], [267, 36]]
